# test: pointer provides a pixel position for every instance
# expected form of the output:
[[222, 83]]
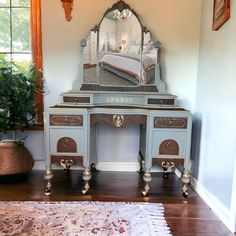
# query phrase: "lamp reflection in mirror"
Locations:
[[68, 7]]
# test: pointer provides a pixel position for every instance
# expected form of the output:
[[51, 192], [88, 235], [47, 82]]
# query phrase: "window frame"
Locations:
[[37, 55], [36, 50]]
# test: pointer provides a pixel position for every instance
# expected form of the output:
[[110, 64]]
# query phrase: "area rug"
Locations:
[[82, 219]]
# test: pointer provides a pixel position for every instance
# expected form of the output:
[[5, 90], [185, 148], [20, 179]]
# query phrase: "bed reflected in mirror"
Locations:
[[120, 52], [119, 49]]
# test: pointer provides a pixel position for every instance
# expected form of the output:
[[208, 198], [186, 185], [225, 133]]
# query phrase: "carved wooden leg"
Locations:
[[86, 178], [147, 179], [185, 177], [48, 176]]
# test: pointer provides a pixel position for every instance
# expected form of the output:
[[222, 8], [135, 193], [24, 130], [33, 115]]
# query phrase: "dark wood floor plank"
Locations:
[[186, 217]]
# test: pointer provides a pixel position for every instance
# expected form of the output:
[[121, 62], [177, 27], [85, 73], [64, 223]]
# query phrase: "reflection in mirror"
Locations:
[[120, 38], [90, 59], [120, 52]]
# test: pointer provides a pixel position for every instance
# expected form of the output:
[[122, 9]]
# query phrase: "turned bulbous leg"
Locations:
[[86, 178], [185, 177], [48, 176], [147, 179]]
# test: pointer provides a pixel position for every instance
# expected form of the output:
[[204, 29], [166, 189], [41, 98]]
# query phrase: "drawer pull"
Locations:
[[66, 164]]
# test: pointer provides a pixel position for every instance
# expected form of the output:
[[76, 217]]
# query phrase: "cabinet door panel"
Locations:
[[169, 143], [69, 141]]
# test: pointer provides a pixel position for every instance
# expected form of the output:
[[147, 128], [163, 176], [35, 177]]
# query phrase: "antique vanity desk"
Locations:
[[121, 85]]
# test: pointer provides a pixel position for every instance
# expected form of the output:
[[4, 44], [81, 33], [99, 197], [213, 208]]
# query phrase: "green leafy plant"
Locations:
[[18, 84]]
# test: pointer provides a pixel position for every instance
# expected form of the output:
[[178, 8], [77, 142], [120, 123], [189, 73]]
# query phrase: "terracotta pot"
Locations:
[[15, 161]]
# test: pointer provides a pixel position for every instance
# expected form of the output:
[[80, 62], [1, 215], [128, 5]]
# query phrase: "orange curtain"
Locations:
[[36, 44]]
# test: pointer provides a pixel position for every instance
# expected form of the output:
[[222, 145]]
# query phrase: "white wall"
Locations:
[[215, 112]]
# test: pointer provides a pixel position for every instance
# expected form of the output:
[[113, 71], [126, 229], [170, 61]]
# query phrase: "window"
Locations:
[[15, 30], [21, 37]]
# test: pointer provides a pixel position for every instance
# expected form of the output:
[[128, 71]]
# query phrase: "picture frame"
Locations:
[[221, 13]]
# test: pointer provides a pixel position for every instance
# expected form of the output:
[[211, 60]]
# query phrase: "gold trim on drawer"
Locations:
[[170, 122], [66, 120]]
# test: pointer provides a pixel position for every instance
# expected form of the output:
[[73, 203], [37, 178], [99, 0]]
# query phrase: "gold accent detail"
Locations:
[[66, 164], [118, 120], [167, 165]]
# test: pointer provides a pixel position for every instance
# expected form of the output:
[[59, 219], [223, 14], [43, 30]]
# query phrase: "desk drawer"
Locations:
[[66, 141], [169, 143], [66, 120], [170, 122]]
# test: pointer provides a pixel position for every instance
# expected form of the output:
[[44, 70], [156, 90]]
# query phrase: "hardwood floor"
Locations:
[[186, 217]]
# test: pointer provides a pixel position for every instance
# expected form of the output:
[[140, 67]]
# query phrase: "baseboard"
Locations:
[[217, 207], [103, 166], [40, 165], [118, 166]]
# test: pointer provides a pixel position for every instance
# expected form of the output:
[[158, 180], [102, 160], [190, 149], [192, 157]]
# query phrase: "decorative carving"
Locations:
[[66, 164], [118, 120], [170, 122], [68, 7], [119, 100], [66, 144], [66, 120], [109, 119], [83, 43], [169, 147]]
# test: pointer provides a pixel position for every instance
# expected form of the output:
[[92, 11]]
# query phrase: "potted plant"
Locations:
[[18, 84]]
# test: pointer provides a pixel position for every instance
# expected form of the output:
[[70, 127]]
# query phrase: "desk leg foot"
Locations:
[[147, 179], [86, 178], [48, 176], [185, 177]]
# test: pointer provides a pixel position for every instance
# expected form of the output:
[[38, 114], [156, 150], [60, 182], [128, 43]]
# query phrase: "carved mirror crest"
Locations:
[[120, 53]]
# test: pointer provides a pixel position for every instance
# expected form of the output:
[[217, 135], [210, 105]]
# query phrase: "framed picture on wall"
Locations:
[[221, 13]]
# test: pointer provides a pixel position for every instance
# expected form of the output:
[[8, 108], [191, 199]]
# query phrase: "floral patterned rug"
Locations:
[[82, 219]]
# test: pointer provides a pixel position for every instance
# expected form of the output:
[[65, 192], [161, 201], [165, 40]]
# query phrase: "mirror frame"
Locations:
[[158, 84]]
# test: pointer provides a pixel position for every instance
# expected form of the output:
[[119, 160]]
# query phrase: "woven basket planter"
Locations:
[[15, 161]]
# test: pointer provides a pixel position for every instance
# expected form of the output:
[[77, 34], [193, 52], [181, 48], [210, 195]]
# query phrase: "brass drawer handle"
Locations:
[[66, 164]]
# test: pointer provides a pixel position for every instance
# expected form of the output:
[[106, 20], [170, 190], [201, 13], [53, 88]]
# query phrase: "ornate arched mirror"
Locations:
[[120, 53]]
